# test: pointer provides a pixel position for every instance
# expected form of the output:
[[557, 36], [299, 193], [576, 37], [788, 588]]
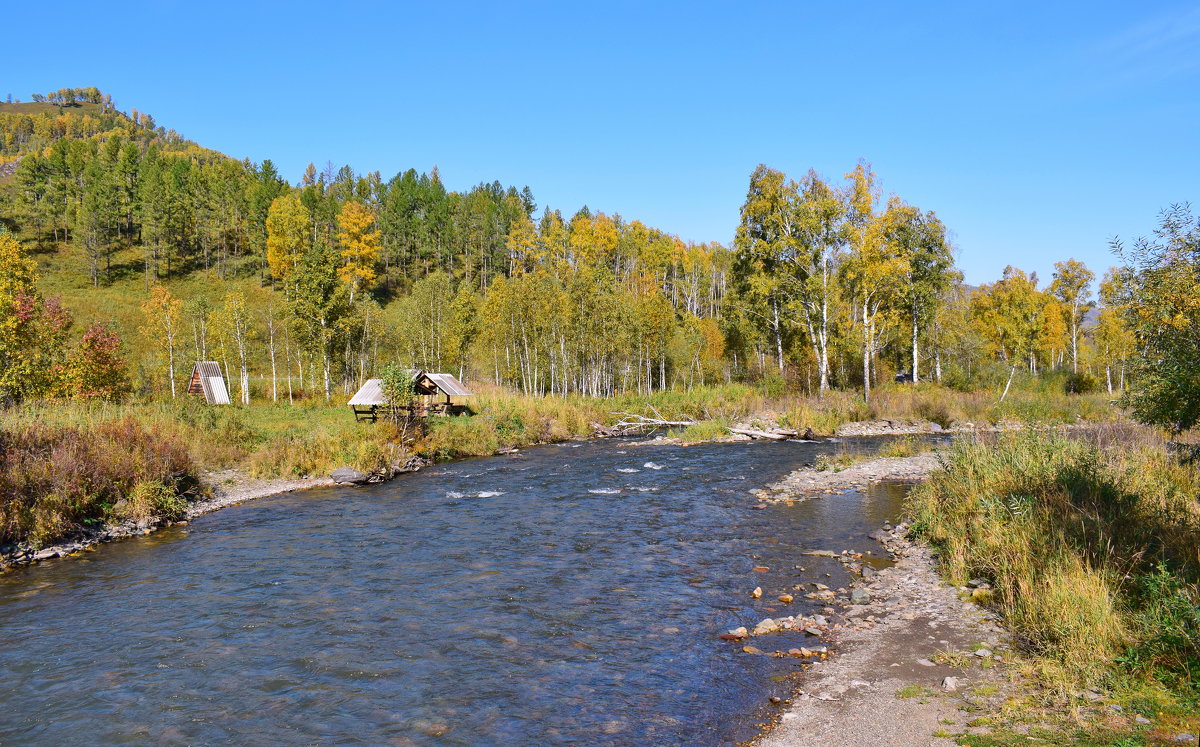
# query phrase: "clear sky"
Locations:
[[1036, 130]]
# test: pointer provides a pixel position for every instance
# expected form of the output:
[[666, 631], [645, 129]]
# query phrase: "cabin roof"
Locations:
[[212, 383]]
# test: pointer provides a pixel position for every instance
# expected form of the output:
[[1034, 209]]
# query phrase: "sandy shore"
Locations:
[[231, 487]]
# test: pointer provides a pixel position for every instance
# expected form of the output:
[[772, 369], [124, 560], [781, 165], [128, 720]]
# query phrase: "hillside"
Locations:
[[35, 108]]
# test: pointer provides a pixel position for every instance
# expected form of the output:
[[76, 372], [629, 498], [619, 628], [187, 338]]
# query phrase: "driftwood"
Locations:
[[633, 423], [761, 434]]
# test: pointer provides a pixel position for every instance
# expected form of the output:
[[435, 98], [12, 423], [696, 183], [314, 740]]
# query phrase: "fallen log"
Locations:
[[760, 434], [631, 422]]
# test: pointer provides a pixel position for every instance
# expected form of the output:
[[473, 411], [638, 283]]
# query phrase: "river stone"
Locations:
[[766, 626], [348, 475], [860, 596]]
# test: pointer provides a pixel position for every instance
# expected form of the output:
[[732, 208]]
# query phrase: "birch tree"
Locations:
[[163, 313], [1072, 287], [236, 321]]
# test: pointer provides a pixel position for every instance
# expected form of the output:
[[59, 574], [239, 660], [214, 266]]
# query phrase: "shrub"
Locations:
[[708, 430], [1081, 383], [901, 447]]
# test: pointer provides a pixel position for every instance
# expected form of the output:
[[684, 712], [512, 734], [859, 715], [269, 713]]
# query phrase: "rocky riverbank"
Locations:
[[915, 661], [915, 657], [809, 481], [918, 661]]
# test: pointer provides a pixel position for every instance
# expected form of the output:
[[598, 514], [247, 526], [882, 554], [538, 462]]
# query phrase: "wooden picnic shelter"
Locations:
[[434, 393]]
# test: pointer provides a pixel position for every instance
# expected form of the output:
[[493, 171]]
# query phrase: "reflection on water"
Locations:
[[559, 595]]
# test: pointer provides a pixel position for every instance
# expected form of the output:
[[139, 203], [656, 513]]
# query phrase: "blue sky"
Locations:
[[1035, 130]]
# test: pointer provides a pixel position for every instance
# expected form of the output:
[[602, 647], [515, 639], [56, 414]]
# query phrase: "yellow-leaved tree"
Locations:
[[288, 230], [163, 313], [32, 329], [360, 245]]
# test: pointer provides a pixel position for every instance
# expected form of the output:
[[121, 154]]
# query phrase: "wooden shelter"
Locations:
[[207, 381], [434, 396]]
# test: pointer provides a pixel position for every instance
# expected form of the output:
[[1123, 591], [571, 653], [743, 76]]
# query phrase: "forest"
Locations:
[[131, 251]]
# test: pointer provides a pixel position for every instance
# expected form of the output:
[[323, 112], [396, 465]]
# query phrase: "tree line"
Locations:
[[828, 284]]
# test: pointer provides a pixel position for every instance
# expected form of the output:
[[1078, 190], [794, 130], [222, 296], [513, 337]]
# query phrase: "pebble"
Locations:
[[1183, 738], [1141, 719], [950, 683], [983, 653], [757, 593]]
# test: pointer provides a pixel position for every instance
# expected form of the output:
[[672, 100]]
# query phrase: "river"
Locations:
[[566, 594]]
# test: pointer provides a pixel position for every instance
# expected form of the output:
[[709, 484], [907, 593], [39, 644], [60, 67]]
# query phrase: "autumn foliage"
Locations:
[[57, 480], [37, 357]]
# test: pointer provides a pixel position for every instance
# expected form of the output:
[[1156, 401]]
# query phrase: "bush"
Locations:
[[901, 447], [1081, 383], [708, 430]]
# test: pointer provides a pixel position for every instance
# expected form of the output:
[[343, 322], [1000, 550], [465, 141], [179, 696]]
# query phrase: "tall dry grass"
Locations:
[[1092, 544], [57, 480]]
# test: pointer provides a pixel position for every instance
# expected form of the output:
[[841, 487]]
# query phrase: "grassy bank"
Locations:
[[56, 479], [1091, 547], [312, 438]]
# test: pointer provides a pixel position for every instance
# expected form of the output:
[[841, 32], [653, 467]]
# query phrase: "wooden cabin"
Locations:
[[208, 382], [434, 396]]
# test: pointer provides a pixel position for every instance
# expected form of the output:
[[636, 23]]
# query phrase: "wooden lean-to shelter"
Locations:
[[207, 381], [434, 395]]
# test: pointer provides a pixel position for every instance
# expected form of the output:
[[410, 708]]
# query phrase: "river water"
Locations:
[[567, 594]]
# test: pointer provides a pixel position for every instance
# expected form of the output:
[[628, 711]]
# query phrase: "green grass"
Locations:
[[906, 446], [914, 691], [708, 430]]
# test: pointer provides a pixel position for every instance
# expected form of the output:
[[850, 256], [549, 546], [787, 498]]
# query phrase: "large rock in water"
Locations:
[[348, 475]]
